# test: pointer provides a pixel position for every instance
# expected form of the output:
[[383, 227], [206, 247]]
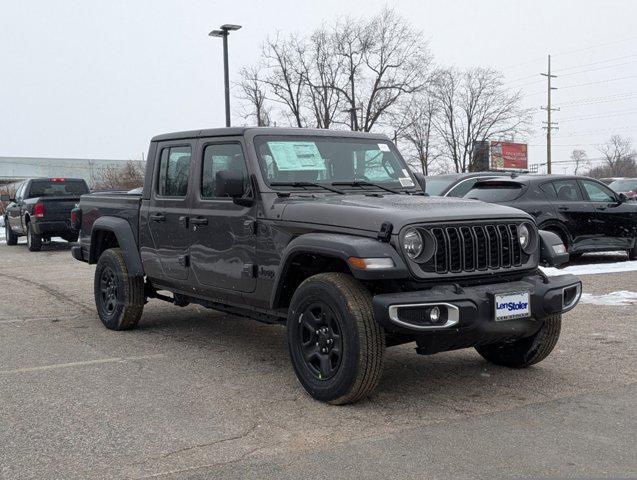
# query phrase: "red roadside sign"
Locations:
[[509, 156]]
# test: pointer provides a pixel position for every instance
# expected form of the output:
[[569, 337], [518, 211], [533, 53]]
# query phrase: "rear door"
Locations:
[[574, 211], [223, 245], [614, 222], [168, 208]]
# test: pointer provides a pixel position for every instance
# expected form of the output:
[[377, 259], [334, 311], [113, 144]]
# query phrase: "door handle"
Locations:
[[158, 217], [601, 208], [563, 209], [199, 221]]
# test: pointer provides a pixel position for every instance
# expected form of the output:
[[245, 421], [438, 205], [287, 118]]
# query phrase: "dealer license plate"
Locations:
[[509, 306]]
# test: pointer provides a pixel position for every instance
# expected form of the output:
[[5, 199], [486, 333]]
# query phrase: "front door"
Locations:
[[614, 222], [14, 210], [223, 233], [168, 209]]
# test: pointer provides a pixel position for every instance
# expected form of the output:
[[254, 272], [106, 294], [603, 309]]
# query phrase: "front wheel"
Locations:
[[526, 351], [335, 344], [34, 241], [119, 298], [12, 238]]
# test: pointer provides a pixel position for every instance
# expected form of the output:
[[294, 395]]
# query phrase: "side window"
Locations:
[[567, 191], [174, 167], [549, 191], [462, 188], [218, 158], [597, 192], [19, 192]]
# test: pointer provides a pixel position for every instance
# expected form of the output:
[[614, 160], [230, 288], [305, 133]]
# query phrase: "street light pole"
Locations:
[[223, 32]]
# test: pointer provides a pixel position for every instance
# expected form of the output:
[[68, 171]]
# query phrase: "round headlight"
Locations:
[[412, 243], [525, 237]]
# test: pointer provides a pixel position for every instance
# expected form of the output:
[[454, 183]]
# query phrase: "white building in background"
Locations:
[[18, 168]]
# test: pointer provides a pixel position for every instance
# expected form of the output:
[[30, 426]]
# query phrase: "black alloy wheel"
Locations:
[[108, 291], [320, 340]]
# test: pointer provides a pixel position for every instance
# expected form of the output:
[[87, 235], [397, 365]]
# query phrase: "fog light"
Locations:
[[560, 248], [434, 315]]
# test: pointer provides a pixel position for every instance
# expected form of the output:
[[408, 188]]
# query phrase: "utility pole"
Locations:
[[223, 32], [550, 126]]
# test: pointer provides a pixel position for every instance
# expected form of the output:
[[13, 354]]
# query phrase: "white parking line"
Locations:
[[57, 366]]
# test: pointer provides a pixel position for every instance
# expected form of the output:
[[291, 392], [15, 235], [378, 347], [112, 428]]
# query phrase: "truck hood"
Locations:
[[367, 212]]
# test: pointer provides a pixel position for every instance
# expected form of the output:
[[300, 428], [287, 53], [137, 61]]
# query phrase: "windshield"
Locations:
[[57, 187], [329, 159], [624, 185], [495, 192], [437, 185]]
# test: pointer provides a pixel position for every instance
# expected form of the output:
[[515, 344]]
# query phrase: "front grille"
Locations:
[[474, 248]]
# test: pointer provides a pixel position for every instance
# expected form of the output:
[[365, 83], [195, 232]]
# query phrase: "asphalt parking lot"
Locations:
[[193, 393]]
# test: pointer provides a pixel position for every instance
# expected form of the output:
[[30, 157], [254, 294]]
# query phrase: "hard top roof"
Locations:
[[236, 131]]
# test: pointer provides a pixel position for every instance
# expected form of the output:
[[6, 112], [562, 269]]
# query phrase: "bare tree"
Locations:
[[475, 106], [382, 60], [252, 91], [580, 159], [125, 177], [617, 152], [419, 114], [285, 79]]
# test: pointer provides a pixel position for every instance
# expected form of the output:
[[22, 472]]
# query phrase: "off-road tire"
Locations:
[[123, 311], [12, 238], [526, 351], [34, 241], [362, 339]]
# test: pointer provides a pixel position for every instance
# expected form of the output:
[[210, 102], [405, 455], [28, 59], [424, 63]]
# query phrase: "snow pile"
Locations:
[[594, 268], [2, 233], [622, 297]]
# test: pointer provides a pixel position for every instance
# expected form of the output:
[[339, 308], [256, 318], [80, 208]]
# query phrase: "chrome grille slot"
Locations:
[[474, 248]]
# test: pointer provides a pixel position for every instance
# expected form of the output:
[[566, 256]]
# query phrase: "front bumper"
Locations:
[[470, 319]]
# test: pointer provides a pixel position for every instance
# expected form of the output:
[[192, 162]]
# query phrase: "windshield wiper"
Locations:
[[306, 184], [365, 183]]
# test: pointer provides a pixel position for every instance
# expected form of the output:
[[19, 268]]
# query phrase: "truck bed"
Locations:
[[116, 204]]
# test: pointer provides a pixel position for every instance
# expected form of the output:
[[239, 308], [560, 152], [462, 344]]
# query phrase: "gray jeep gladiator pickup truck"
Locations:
[[327, 233]]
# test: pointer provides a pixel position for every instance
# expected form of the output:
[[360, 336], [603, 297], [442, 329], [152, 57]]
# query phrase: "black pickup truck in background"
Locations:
[[41, 209], [327, 233]]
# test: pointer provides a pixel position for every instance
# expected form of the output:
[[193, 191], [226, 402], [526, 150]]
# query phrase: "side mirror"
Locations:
[[422, 181], [622, 197], [552, 251], [6, 198], [231, 183]]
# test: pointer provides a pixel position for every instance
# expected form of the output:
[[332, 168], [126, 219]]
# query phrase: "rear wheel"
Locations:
[[119, 298], [526, 351], [12, 238], [34, 241], [335, 344]]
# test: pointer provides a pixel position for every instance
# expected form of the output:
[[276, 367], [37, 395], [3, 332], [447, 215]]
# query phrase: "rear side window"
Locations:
[[57, 187], [174, 168], [462, 188], [218, 158], [549, 190], [567, 191], [495, 192]]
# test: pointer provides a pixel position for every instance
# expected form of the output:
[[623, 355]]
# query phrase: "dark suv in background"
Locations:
[[586, 214]]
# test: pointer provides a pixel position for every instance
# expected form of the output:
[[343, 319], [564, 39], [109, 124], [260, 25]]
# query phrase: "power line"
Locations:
[[596, 63], [596, 100], [601, 81], [598, 68], [606, 115]]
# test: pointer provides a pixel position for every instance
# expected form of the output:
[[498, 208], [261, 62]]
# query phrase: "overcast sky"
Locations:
[[84, 78]]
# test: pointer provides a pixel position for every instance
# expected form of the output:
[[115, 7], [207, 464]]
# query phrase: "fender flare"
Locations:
[[552, 225], [340, 246], [125, 238]]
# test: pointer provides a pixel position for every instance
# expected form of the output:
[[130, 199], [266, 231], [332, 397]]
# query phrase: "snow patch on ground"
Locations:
[[623, 297], [593, 268], [2, 233]]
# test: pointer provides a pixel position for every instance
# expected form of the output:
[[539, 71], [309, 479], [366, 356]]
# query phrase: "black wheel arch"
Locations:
[[109, 232], [330, 252], [559, 228]]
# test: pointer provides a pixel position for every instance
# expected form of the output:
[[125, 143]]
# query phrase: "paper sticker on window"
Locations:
[[383, 147], [406, 182], [296, 156]]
